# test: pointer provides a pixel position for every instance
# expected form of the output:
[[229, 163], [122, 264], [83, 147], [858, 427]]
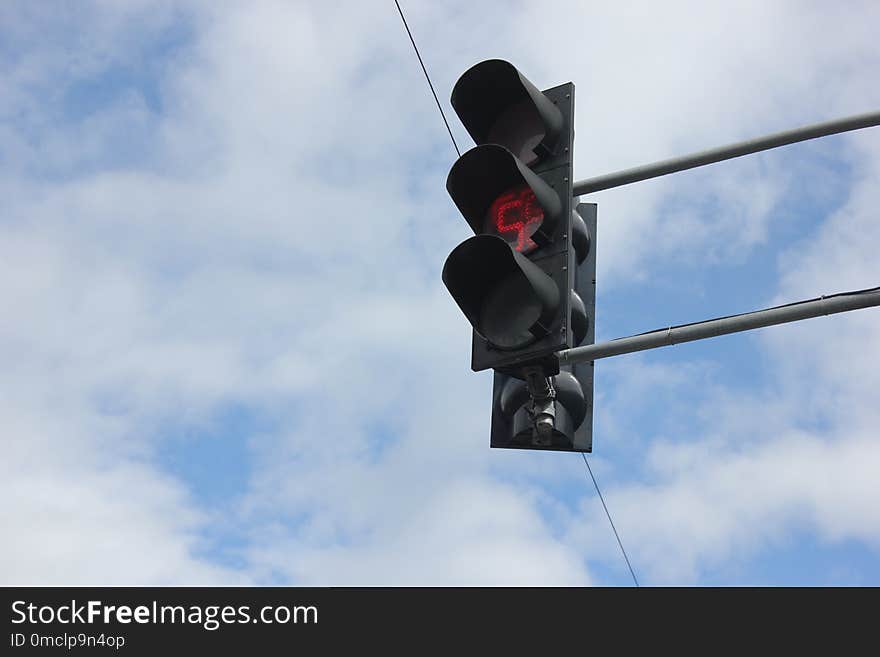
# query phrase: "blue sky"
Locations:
[[229, 357]]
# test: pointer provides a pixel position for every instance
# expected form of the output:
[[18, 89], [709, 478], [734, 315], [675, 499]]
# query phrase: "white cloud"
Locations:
[[465, 533], [708, 505], [81, 510], [799, 453]]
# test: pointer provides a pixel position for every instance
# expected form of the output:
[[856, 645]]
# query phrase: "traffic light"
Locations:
[[513, 414], [525, 281]]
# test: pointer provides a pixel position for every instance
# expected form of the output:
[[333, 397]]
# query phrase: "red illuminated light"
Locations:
[[516, 216]]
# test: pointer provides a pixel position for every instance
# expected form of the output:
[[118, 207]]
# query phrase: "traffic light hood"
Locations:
[[508, 299], [498, 105], [486, 172]]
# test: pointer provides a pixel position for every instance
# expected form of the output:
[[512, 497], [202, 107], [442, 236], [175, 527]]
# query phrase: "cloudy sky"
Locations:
[[228, 357]]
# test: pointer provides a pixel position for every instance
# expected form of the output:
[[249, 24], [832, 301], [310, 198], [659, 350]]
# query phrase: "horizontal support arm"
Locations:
[[656, 169], [837, 303]]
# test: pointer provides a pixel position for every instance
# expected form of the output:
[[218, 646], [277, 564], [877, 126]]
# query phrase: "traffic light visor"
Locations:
[[498, 105], [489, 185], [508, 299]]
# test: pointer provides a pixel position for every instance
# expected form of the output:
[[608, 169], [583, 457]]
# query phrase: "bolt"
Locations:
[[544, 425]]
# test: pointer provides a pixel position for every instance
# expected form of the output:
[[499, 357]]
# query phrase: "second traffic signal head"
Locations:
[[512, 423]]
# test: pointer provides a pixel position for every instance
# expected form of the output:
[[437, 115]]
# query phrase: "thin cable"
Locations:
[[427, 77], [616, 535]]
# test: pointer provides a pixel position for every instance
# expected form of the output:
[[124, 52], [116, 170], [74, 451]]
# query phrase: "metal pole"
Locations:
[[711, 328], [646, 171]]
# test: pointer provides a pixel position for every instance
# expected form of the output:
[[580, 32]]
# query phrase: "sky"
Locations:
[[228, 356]]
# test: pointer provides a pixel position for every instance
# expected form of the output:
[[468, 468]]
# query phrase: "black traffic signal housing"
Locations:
[[573, 431], [514, 191], [517, 279]]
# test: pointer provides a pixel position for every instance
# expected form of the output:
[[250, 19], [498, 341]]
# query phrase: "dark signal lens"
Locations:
[[516, 216]]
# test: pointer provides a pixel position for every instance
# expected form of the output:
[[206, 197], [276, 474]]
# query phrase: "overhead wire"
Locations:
[[455, 145], [427, 77], [607, 513]]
